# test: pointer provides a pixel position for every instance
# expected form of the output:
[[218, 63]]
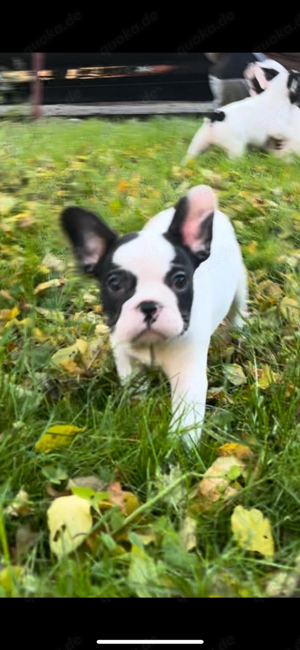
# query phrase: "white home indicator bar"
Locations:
[[151, 642]]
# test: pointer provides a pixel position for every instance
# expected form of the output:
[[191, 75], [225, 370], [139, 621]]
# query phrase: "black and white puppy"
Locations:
[[272, 113], [165, 290]]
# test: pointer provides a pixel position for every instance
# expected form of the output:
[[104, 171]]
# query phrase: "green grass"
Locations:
[[127, 171]]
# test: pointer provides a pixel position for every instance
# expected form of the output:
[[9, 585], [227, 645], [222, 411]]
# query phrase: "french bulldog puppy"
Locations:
[[164, 291], [272, 113]]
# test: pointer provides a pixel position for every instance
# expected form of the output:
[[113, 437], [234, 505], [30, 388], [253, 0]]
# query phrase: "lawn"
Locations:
[[183, 541]]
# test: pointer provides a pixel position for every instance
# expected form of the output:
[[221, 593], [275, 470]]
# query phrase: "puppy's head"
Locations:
[[259, 75], [146, 278], [293, 85]]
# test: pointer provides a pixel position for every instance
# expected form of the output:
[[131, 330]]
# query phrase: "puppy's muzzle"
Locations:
[[150, 311]]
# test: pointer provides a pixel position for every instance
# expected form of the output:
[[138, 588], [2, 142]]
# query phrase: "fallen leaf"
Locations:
[[235, 374], [9, 314], [235, 449], [5, 294], [187, 534], [177, 496], [53, 263], [92, 482], [251, 248], [215, 483], [69, 353], [94, 349], [290, 309], [8, 576], [60, 435], [25, 540], [252, 531], [56, 282], [266, 377], [69, 521], [131, 502], [143, 576], [20, 505], [282, 585], [6, 203]]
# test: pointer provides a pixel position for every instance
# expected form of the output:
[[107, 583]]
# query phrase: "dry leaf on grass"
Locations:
[[290, 309], [53, 263], [60, 435], [266, 377], [69, 521], [20, 505], [216, 482], [144, 573], [92, 482], [56, 282], [25, 540], [252, 531], [235, 374], [187, 534], [235, 449]]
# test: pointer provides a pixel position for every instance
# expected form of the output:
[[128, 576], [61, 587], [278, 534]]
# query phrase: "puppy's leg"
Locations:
[[232, 143], [123, 363], [188, 379], [201, 141], [238, 310]]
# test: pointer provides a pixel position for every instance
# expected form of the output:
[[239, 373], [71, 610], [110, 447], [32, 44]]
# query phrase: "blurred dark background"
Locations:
[[114, 77]]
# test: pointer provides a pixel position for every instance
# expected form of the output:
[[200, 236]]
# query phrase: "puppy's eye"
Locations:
[[116, 282], [180, 281]]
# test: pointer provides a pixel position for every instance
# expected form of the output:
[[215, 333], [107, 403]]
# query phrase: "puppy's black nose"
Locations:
[[148, 308]]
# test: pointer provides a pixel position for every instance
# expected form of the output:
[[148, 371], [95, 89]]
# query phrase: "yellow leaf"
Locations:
[[70, 366], [252, 248], [20, 505], [43, 269], [27, 322], [216, 480], [234, 449], [93, 350], [187, 534], [252, 531], [70, 353], [56, 282], [82, 345], [9, 314], [235, 374], [4, 313], [53, 263], [38, 335], [9, 575], [123, 186], [290, 309], [69, 521], [6, 203], [266, 377], [60, 435], [131, 502]]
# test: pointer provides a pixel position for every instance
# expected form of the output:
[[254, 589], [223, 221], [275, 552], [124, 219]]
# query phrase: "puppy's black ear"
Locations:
[[293, 85], [269, 73], [192, 224], [90, 236]]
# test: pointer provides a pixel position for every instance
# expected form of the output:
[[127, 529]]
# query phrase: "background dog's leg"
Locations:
[[200, 142], [238, 310]]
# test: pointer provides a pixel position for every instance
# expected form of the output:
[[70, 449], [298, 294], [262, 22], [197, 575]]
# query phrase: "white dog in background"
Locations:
[[269, 119], [165, 290]]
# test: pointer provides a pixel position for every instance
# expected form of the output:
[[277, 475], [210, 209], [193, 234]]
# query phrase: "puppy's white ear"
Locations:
[[90, 236], [192, 224]]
